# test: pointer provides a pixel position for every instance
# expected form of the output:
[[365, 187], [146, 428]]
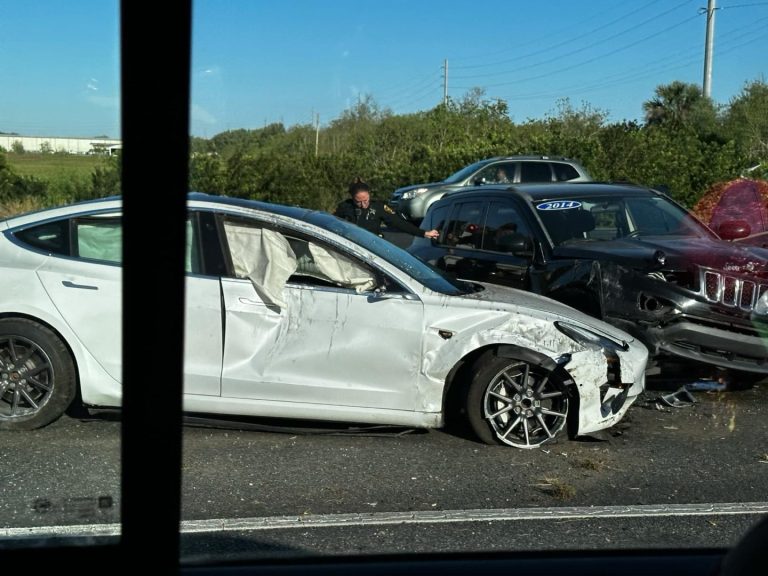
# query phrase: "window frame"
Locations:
[[151, 431], [151, 422]]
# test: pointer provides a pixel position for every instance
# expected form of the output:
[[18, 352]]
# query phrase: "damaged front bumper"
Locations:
[[622, 374], [714, 346], [715, 326]]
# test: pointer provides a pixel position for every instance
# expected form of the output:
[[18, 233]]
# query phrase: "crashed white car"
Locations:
[[297, 314]]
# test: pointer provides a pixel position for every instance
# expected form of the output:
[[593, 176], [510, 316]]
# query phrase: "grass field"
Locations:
[[64, 178], [52, 167]]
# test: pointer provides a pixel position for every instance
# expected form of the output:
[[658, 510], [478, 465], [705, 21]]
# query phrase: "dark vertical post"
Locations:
[[155, 74]]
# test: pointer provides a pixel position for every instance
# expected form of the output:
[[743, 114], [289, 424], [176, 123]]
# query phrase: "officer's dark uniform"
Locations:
[[371, 218]]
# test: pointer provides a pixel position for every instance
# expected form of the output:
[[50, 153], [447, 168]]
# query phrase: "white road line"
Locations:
[[425, 517]]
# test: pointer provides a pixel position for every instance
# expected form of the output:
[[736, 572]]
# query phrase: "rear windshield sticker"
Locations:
[[559, 205]]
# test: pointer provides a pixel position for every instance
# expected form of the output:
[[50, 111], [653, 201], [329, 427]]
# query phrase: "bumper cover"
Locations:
[[714, 346]]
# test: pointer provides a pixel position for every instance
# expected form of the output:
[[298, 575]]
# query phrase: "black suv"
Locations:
[[627, 254]]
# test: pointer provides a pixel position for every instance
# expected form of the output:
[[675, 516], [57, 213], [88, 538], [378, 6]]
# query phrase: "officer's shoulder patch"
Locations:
[[388, 209]]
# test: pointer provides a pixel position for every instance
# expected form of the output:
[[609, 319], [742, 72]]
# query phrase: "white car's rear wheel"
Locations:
[[37, 375], [515, 402]]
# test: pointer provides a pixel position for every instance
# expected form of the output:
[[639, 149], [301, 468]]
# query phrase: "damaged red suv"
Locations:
[[627, 254], [737, 210]]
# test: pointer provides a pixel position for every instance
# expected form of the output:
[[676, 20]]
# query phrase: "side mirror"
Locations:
[[517, 244], [380, 294], [734, 229]]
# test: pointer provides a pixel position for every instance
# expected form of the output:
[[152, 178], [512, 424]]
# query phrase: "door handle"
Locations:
[[251, 301], [69, 284]]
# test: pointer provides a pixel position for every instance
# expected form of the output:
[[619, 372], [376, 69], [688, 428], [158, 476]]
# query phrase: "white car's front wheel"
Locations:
[[37, 375], [515, 402]]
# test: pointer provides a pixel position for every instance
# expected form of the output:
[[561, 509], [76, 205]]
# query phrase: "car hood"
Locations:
[[679, 253], [512, 299], [427, 185]]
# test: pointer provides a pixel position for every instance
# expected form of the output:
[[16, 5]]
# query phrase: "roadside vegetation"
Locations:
[[29, 181], [51, 167], [686, 144]]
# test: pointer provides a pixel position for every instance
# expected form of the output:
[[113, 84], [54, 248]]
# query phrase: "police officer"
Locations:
[[369, 214]]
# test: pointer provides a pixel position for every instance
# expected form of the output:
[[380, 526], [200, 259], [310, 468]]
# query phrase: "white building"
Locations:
[[57, 144]]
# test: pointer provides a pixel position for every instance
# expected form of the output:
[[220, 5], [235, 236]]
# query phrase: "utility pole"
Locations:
[[708, 48], [445, 82]]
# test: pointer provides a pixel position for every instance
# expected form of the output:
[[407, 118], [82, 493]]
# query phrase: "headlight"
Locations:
[[413, 193], [761, 307], [588, 338]]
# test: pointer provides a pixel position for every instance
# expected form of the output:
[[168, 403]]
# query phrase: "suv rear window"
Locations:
[[564, 171], [535, 172]]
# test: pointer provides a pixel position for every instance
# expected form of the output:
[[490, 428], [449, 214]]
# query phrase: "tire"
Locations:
[[516, 403], [37, 375]]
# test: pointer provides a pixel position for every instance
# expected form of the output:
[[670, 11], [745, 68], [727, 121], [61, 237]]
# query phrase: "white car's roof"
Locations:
[[111, 203]]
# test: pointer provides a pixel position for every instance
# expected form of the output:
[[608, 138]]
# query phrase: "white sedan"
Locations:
[[297, 314]]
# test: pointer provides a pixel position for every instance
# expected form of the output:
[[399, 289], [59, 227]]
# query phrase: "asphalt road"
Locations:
[[693, 476]]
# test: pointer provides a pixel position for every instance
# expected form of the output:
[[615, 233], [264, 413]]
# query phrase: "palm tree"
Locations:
[[678, 103]]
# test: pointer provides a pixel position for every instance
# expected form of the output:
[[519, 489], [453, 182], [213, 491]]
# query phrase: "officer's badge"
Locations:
[[388, 209]]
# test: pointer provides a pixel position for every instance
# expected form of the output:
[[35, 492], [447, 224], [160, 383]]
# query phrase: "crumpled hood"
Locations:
[[499, 296], [680, 253]]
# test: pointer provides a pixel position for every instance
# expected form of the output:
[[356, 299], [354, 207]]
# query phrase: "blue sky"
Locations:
[[256, 61]]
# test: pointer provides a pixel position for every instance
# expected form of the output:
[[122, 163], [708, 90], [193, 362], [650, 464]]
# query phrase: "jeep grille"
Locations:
[[730, 290]]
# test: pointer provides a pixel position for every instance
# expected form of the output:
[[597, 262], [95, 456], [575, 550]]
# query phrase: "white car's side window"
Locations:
[[50, 237], [316, 262], [263, 256], [341, 270], [308, 270], [100, 239]]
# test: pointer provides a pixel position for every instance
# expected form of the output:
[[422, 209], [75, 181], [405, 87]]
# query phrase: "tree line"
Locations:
[[686, 144]]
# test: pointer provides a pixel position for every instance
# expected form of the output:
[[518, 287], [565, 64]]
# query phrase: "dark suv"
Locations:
[[413, 201], [627, 254]]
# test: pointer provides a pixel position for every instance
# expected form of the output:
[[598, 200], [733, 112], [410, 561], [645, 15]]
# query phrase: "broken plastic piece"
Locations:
[[678, 399]]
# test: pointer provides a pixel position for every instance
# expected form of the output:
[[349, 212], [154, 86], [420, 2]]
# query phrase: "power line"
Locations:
[[569, 41], [420, 88], [517, 81]]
